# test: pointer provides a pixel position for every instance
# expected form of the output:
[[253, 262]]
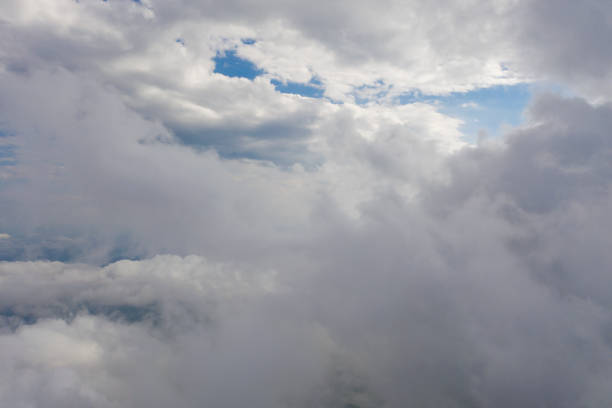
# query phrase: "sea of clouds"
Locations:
[[174, 237]]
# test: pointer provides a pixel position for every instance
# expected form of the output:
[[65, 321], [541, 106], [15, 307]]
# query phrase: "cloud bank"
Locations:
[[173, 235]]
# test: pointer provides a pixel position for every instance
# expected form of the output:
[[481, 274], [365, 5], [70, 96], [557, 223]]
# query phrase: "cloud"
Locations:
[[178, 237], [204, 326], [175, 83], [97, 173], [473, 292], [579, 59], [393, 50]]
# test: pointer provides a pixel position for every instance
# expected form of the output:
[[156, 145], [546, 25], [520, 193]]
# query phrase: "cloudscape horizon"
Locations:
[[346, 204]]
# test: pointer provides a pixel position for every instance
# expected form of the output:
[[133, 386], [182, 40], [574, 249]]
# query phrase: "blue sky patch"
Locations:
[[485, 109], [248, 41], [229, 64], [312, 89], [7, 151], [5, 133]]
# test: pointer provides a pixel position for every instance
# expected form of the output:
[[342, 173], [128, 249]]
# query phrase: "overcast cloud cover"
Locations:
[[175, 235]]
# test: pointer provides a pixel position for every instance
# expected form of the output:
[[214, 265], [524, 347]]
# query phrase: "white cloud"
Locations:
[[346, 254], [475, 287], [470, 105]]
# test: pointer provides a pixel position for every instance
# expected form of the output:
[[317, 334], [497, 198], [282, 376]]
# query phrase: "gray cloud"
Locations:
[[345, 255], [475, 293], [565, 41]]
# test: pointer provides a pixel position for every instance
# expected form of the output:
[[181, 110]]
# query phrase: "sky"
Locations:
[[284, 204]]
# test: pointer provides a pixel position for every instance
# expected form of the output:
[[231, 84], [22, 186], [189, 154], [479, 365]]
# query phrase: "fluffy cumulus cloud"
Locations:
[[280, 204]]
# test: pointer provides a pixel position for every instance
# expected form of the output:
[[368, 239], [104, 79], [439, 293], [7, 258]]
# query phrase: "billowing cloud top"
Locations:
[[299, 205]]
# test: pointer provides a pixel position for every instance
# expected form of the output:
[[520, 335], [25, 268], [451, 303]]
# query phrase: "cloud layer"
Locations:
[[173, 236]]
